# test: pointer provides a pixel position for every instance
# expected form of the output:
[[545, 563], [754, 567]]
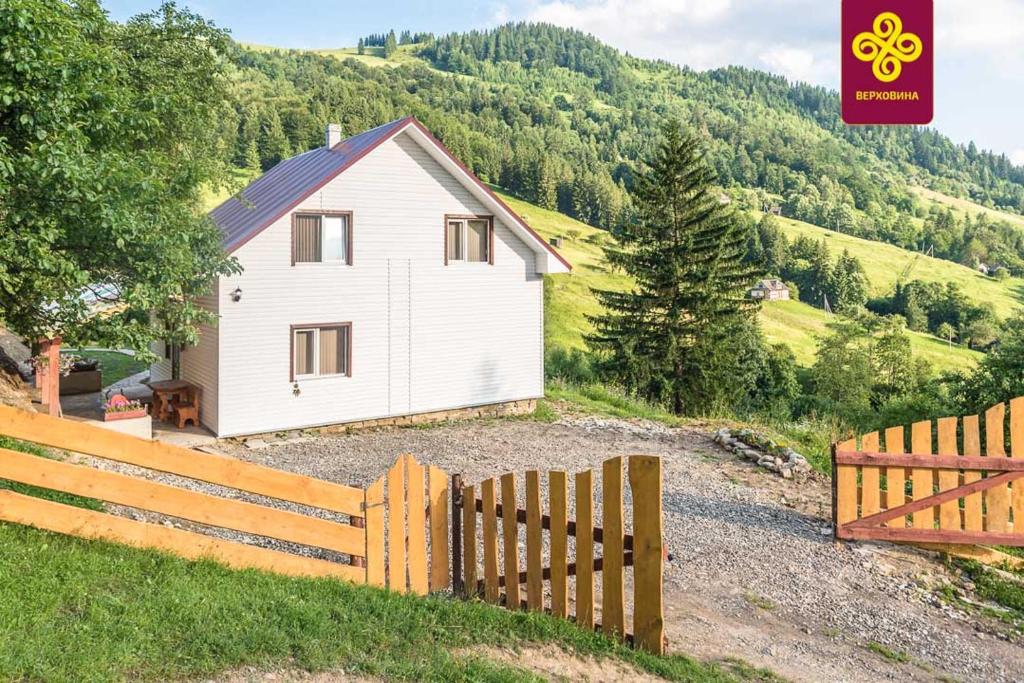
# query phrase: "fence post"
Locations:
[[358, 523], [835, 494], [373, 509], [457, 587], [648, 556], [613, 596]]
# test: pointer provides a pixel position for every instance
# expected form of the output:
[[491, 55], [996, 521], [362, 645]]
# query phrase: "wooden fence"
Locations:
[[642, 550], [357, 540], [416, 505], [946, 490], [394, 533]]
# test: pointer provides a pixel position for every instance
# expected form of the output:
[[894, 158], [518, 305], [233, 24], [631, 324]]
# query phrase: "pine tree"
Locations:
[[390, 44], [252, 157], [273, 143], [361, 47], [673, 338], [547, 184]]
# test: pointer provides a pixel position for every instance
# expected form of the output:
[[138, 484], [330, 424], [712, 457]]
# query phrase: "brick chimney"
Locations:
[[333, 136]]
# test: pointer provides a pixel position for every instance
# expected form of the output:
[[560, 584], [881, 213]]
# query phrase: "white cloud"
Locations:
[[651, 17], [501, 15], [991, 27], [773, 34], [798, 64]]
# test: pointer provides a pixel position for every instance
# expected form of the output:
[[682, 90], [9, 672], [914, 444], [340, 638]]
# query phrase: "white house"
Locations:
[[381, 278]]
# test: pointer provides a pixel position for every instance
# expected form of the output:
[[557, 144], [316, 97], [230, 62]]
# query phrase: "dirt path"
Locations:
[[754, 573]]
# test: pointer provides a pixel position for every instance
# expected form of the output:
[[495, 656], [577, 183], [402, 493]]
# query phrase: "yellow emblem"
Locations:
[[886, 46]]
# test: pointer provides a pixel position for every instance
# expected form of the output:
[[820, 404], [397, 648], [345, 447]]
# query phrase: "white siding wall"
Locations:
[[425, 336], [161, 369], [200, 365]]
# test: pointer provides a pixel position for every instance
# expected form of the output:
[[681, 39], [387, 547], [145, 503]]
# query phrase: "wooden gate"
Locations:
[[946, 490], [416, 505], [501, 581]]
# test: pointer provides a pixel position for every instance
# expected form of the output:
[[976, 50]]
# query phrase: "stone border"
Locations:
[[507, 409], [764, 452]]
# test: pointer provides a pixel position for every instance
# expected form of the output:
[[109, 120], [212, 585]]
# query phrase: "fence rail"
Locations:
[[946, 490], [642, 550], [394, 533]]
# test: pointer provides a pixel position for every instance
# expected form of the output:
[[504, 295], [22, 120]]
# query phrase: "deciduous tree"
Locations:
[[109, 135]]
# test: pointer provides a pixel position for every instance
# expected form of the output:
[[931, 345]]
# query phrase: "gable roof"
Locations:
[[774, 285], [287, 184]]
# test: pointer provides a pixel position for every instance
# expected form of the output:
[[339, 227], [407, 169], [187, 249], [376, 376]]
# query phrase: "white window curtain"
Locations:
[[335, 238], [477, 240]]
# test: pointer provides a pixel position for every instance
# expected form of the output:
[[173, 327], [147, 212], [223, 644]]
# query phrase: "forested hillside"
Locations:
[[560, 119]]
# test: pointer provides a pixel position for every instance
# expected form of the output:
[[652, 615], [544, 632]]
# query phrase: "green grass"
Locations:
[[75, 610], [892, 655], [598, 399], [884, 263], [1004, 589], [374, 56], [115, 366], [759, 601], [965, 207], [569, 301], [800, 325]]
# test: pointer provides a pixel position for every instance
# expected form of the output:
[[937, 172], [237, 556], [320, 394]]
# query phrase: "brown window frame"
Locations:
[[321, 214], [470, 217], [319, 326]]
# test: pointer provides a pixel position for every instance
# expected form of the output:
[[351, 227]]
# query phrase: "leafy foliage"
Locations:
[[999, 376], [866, 375], [108, 134]]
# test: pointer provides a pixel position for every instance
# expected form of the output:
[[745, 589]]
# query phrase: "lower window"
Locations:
[[321, 350]]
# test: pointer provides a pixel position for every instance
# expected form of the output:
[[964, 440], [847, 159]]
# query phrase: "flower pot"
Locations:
[[125, 415]]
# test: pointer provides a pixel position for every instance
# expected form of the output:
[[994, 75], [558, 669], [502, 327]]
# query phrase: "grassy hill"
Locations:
[[569, 300], [965, 207], [884, 264]]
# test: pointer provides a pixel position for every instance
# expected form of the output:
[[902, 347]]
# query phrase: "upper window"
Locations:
[[469, 239], [322, 238], [321, 350]]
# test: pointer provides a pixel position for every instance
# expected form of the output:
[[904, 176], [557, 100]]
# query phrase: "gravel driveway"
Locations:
[[754, 572]]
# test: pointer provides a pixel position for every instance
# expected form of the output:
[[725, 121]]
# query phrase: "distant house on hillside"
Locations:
[[381, 279], [770, 290]]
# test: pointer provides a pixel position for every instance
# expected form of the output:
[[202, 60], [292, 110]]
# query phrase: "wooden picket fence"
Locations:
[[362, 520], [501, 582], [394, 533], [416, 506], [946, 490]]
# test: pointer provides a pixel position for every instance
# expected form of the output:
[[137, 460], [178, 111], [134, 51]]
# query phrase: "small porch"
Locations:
[[89, 407]]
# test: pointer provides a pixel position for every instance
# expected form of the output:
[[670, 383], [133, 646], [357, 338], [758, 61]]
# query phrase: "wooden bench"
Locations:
[[188, 409]]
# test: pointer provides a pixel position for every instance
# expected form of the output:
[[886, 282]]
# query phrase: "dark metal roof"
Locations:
[[280, 189]]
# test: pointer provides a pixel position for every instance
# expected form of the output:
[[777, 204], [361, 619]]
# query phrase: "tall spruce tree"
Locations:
[[673, 338]]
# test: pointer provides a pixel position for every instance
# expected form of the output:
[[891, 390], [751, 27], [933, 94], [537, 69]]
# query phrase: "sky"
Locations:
[[979, 52]]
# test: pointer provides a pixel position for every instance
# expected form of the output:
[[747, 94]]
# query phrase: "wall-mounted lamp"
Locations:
[[295, 389], [236, 295]]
